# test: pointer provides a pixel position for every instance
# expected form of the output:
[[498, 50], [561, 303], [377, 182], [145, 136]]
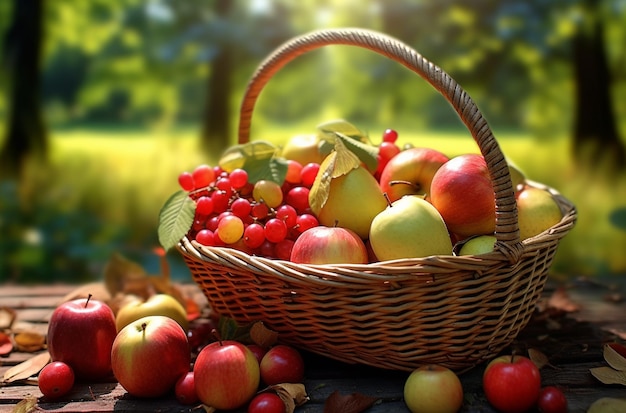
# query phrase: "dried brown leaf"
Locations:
[[560, 300], [608, 375], [608, 405], [262, 335], [26, 368], [292, 394], [537, 357], [97, 291], [209, 409], [7, 317], [122, 275], [6, 345], [30, 341], [614, 358], [351, 403], [26, 405]]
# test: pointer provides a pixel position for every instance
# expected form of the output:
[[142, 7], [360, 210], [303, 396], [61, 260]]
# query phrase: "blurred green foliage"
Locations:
[[125, 87]]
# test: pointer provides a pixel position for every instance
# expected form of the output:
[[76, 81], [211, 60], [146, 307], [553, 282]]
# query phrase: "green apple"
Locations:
[[354, 199], [158, 304], [518, 178], [537, 211], [409, 228], [303, 149], [481, 244], [433, 389]]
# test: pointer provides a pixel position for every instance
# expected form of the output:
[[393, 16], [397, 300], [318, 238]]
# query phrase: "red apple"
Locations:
[[462, 192], [258, 351], [185, 389], [329, 245], [226, 375], [267, 403], [149, 355], [512, 383], [410, 172], [282, 364], [552, 400], [433, 389], [56, 379], [81, 334]]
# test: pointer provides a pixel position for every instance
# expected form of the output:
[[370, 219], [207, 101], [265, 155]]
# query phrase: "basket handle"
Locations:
[[507, 229]]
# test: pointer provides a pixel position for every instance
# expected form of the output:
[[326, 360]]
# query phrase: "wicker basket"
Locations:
[[450, 310]]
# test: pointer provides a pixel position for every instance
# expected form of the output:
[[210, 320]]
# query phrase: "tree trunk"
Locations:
[[596, 138], [216, 122], [26, 132]]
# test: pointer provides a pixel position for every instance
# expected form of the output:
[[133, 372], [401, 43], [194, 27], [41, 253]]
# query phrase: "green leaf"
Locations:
[[272, 169], [328, 129], [238, 156], [175, 219], [355, 140], [367, 154], [230, 330]]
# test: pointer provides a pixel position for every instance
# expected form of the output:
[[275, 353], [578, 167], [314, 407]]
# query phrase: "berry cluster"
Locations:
[[261, 218], [386, 150]]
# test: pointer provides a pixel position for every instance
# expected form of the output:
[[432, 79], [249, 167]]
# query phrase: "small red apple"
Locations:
[[329, 245], [462, 192], [266, 403], [512, 383], [226, 375], [149, 355], [81, 334], [56, 379], [410, 172], [258, 351], [552, 400], [433, 388], [185, 389], [282, 364]]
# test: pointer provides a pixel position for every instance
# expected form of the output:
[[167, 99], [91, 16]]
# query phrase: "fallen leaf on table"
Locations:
[[7, 317], [262, 335], [351, 403], [6, 345], [26, 368], [29, 341], [608, 405], [607, 375], [97, 291], [614, 358], [26, 405], [292, 395], [537, 357], [560, 300], [122, 275]]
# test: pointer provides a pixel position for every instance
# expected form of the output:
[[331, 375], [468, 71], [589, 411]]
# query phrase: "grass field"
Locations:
[[121, 178]]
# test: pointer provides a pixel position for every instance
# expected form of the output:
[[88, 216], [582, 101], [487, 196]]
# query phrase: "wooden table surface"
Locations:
[[572, 341]]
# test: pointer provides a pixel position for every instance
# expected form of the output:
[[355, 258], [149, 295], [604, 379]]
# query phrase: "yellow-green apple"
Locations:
[[462, 192], [354, 199], [409, 228], [480, 244], [512, 383], [150, 355], [536, 211], [303, 149], [81, 334], [226, 374], [329, 245], [433, 389], [158, 304], [410, 172], [518, 178], [282, 364]]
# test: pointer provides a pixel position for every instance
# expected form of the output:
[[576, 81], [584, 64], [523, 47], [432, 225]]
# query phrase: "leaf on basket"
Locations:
[[351, 403], [237, 156], [329, 128], [7, 317], [607, 375], [608, 405], [6, 345], [353, 139], [26, 405], [262, 335], [229, 330], [614, 358], [27, 368], [292, 395], [175, 219], [29, 341], [560, 300]]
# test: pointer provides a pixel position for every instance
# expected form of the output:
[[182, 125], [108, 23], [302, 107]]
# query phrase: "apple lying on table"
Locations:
[[512, 383], [462, 192], [81, 333], [150, 355], [433, 389], [226, 374], [409, 228], [158, 304], [329, 245], [410, 172], [282, 364]]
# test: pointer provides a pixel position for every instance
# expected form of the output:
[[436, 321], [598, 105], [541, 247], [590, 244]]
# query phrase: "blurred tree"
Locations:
[[26, 132]]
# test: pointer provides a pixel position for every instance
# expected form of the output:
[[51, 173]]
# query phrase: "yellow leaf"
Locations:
[[538, 358], [26, 368], [608, 375], [614, 359], [29, 341], [262, 335], [26, 405], [292, 395]]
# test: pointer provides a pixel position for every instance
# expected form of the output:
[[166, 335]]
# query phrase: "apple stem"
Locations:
[[216, 334], [387, 198], [400, 182], [88, 298]]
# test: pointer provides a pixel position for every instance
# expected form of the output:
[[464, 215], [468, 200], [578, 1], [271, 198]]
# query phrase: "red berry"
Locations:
[[254, 235], [203, 176], [298, 197], [288, 214], [306, 221], [238, 178], [56, 379], [185, 390], [390, 135], [552, 400], [204, 205], [388, 150], [283, 248], [308, 174], [294, 169], [275, 230], [185, 180], [205, 237], [266, 403]]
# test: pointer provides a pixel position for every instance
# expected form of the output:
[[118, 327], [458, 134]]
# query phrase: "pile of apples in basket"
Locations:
[[336, 197]]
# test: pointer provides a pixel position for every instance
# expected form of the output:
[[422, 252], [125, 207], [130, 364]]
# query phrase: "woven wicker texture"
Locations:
[[449, 310]]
